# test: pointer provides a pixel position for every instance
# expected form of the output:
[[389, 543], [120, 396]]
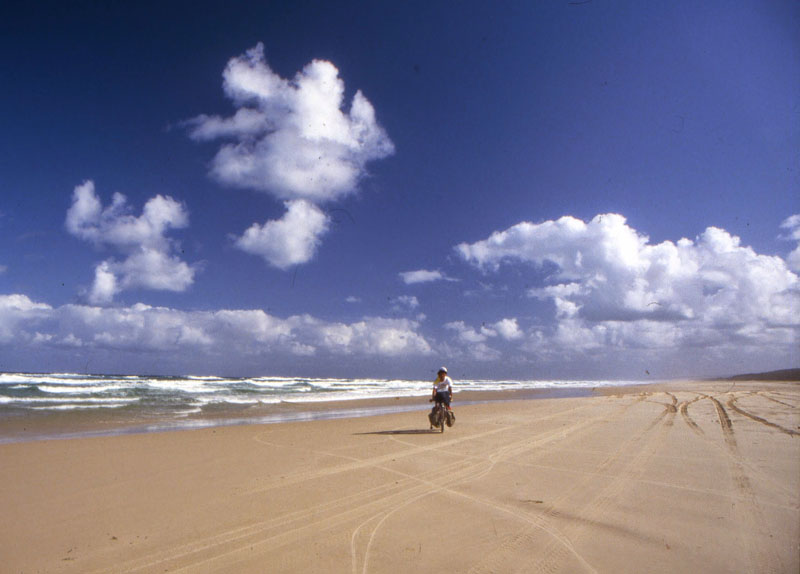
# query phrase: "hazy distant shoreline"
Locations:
[[780, 375]]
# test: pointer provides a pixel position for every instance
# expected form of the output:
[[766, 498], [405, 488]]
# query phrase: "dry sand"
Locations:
[[685, 477]]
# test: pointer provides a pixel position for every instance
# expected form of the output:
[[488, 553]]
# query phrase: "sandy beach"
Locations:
[[678, 477]]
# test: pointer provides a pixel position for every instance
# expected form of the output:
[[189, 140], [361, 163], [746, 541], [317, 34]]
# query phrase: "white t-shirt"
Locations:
[[443, 385]]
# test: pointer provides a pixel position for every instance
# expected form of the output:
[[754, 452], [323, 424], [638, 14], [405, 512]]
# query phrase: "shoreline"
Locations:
[[110, 422], [93, 423]]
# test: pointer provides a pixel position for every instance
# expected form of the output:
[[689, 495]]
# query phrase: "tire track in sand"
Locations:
[[537, 521], [272, 533], [761, 559], [622, 469], [266, 535], [403, 492], [505, 453], [683, 408], [506, 555], [733, 406], [733, 454], [767, 396]]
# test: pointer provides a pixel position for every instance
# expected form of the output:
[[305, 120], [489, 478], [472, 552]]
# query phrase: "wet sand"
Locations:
[[691, 477]]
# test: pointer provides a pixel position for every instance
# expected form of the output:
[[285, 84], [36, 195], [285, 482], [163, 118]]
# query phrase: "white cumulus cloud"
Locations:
[[468, 334], [792, 224], [17, 312], [508, 329], [150, 261], [423, 276], [472, 342], [288, 241], [295, 139], [292, 138], [403, 302], [105, 285], [371, 336], [612, 288]]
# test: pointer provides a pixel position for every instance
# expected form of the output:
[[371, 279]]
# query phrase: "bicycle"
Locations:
[[441, 416]]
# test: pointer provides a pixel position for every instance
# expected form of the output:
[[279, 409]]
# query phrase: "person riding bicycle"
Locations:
[[442, 390]]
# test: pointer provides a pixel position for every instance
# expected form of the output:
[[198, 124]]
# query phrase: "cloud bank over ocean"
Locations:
[[610, 290], [162, 330]]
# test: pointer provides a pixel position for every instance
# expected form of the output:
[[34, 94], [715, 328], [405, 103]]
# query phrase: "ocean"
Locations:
[[196, 401]]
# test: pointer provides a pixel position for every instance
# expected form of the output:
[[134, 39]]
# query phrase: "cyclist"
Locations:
[[442, 391]]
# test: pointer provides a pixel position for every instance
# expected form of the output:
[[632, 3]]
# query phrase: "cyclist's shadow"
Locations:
[[390, 432]]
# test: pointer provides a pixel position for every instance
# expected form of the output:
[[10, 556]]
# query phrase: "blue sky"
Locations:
[[530, 190]]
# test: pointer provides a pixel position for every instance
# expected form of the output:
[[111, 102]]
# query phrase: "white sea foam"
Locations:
[[180, 385], [71, 400], [78, 389], [75, 407], [216, 400], [56, 379]]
